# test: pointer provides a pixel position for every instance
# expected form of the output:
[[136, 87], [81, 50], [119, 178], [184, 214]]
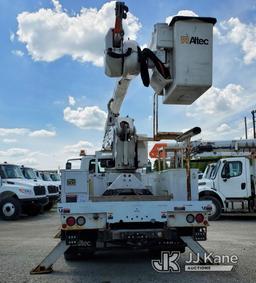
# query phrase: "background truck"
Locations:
[[229, 183], [19, 195], [52, 191], [105, 203]]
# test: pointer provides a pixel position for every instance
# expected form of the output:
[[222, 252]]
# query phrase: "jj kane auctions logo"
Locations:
[[185, 39]]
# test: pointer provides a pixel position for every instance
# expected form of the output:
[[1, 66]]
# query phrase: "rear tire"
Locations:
[[78, 253], [216, 207], [10, 208]]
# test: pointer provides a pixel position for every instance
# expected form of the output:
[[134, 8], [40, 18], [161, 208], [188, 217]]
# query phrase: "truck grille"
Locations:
[[53, 189], [39, 190]]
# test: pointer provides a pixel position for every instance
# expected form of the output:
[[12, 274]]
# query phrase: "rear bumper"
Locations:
[[140, 238], [35, 201]]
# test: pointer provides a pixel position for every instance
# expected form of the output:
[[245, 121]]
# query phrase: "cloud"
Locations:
[[13, 131], [42, 134], [71, 100], [91, 117], [14, 152], [218, 101], [18, 53], [75, 148], [50, 34], [57, 6], [241, 34], [9, 140], [28, 162], [223, 128], [188, 13], [12, 36]]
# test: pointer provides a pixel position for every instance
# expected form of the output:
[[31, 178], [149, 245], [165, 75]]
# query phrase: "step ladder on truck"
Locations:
[[105, 204]]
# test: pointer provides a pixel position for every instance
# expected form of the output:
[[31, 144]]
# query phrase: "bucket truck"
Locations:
[[229, 183], [105, 203], [231, 186]]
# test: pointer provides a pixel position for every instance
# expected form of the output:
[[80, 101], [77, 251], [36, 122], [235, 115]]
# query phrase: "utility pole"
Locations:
[[254, 123], [245, 128]]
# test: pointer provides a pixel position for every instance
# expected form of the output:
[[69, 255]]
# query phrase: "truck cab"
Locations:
[[231, 187], [55, 177], [52, 191], [19, 195]]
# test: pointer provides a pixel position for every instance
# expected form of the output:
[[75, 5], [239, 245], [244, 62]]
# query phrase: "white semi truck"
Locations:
[[105, 204], [19, 195]]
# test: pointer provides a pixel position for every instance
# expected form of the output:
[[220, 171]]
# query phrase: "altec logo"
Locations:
[[184, 39]]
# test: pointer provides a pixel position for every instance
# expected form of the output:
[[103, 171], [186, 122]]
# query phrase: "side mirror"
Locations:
[[68, 166]]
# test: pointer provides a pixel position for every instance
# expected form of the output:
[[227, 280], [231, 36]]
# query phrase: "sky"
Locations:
[[54, 93]]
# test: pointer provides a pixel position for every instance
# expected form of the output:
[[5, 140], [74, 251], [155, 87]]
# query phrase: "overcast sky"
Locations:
[[53, 91]]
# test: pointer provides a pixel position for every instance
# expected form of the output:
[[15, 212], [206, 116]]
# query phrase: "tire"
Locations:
[[48, 206], [33, 210], [217, 208], [10, 208], [78, 253]]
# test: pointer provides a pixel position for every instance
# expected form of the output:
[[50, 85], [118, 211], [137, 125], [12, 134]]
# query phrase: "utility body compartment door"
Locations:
[[74, 186]]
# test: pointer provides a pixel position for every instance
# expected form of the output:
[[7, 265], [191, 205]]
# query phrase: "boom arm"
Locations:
[[114, 106]]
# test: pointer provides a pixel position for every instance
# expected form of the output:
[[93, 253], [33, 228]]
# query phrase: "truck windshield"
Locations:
[[55, 177], [11, 172], [38, 175], [29, 173], [46, 177]]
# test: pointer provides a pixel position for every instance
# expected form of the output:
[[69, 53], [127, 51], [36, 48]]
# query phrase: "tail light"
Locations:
[[71, 221], [199, 218], [80, 220], [190, 218]]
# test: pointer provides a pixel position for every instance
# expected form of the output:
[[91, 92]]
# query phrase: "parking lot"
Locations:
[[24, 243]]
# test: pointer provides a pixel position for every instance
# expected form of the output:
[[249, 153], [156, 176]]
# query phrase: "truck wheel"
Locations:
[[216, 207], [48, 206], [71, 254], [10, 208], [78, 253], [33, 210]]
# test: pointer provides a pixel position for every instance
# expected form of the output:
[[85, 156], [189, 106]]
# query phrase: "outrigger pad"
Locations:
[[41, 270], [46, 265]]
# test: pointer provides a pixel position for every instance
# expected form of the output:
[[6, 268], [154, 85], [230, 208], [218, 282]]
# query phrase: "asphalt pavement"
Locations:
[[24, 243]]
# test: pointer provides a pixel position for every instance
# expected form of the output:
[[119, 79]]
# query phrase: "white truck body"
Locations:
[[232, 183], [147, 219], [52, 191], [18, 194]]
